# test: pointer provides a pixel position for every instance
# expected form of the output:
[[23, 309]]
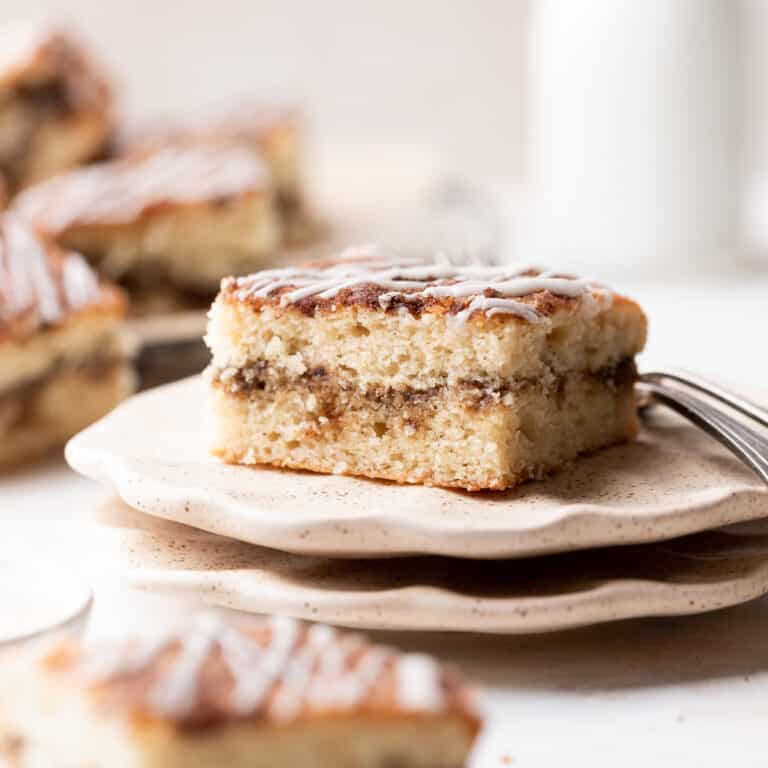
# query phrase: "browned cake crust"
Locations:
[[324, 287], [55, 104], [217, 691]]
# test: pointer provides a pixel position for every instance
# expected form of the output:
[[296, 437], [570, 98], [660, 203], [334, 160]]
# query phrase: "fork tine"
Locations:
[[737, 402], [746, 445]]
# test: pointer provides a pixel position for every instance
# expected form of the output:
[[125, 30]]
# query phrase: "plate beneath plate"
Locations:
[[691, 575], [674, 480]]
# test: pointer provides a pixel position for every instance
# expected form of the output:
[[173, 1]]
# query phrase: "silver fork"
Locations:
[[713, 408]]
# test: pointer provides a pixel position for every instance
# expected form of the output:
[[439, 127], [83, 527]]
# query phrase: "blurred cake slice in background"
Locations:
[[64, 356], [168, 225], [274, 134], [55, 105], [215, 693]]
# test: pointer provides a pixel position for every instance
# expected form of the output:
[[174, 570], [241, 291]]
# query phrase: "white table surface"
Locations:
[[689, 691]]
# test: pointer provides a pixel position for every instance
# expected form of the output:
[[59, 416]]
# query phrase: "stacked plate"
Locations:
[[636, 530]]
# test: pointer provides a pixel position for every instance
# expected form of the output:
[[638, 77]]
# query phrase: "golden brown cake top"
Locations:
[[124, 191], [519, 292], [251, 124], [36, 57], [213, 671], [40, 285]]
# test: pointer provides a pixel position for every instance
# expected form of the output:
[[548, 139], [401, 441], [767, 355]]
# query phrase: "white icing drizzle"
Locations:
[[30, 270], [80, 282], [298, 675], [519, 286], [251, 689], [282, 673], [493, 307], [32, 277], [355, 685], [176, 694], [419, 683], [406, 281], [330, 675], [121, 191]]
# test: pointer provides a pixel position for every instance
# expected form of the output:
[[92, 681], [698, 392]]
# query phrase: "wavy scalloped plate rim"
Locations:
[[152, 451], [433, 609], [700, 573]]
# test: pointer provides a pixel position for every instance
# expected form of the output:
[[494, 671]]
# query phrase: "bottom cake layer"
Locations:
[[453, 437], [45, 413]]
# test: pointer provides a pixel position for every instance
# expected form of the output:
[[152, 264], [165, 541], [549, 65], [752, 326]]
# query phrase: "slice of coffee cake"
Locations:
[[64, 358], [217, 694], [274, 134], [173, 222], [55, 104], [473, 377]]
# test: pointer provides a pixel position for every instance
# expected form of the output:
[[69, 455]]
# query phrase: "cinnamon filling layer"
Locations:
[[333, 396]]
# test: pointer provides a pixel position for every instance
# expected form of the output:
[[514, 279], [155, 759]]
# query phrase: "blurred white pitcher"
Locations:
[[633, 159]]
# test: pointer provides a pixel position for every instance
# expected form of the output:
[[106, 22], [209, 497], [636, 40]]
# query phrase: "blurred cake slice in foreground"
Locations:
[[219, 694], [468, 377], [64, 358], [55, 104], [273, 134], [166, 226]]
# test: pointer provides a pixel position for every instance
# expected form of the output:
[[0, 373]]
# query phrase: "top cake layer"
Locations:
[[124, 191], [212, 673], [33, 55], [41, 285], [376, 325]]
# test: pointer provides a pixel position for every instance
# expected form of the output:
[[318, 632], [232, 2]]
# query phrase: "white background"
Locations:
[[445, 75]]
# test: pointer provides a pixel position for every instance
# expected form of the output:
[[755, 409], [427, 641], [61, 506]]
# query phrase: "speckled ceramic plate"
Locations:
[[152, 451], [689, 575]]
